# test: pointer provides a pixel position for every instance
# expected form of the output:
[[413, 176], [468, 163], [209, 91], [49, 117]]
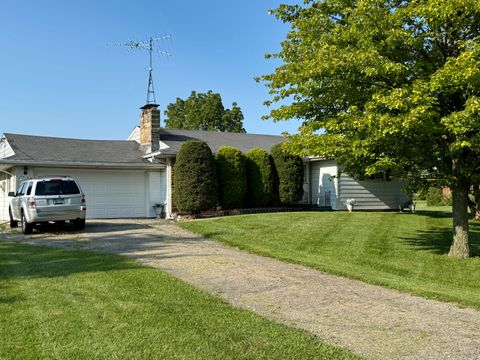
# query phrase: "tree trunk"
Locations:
[[460, 247]]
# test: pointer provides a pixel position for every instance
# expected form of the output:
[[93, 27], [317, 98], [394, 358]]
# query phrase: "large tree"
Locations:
[[384, 85], [204, 111]]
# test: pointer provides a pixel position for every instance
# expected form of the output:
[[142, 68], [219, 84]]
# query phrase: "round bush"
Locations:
[[290, 175], [195, 186], [260, 178], [231, 177], [434, 196]]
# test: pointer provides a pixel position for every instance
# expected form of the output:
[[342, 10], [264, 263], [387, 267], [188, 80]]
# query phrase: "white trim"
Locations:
[[147, 194], [5, 148], [135, 134], [168, 210], [94, 165]]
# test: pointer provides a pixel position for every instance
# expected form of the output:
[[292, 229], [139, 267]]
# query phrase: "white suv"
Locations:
[[44, 199]]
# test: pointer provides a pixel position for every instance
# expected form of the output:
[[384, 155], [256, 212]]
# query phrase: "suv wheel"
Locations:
[[27, 227], [13, 223], [79, 224]]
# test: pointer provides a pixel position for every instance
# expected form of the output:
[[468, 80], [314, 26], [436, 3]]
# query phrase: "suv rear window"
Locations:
[[56, 187]]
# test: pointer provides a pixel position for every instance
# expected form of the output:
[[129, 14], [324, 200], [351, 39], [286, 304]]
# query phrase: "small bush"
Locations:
[[260, 178], [231, 177], [434, 196], [195, 186], [290, 175], [447, 200]]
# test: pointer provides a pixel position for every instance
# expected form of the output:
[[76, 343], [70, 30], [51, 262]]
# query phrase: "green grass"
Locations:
[[403, 251], [63, 304]]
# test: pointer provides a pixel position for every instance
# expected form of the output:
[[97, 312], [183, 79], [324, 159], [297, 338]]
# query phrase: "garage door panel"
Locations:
[[109, 193]]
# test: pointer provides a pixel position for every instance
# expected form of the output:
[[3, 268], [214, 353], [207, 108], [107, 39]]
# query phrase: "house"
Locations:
[[126, 178]]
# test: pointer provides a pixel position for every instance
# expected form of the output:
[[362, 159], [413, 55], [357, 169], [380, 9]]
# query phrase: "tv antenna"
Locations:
[[150, 46]]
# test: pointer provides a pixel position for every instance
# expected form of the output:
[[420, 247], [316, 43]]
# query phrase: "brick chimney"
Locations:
[[150, 128]]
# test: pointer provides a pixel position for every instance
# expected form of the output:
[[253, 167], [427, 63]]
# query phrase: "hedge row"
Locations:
[[233, 179]]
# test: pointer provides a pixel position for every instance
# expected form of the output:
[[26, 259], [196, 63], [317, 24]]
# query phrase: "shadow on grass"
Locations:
[[434, 214], [19, 261], [438, 240]]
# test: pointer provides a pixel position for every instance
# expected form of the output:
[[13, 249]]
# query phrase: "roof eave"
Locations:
[[108, 165]]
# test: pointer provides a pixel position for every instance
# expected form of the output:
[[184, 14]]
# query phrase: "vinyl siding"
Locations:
[[7, 183], [157, 189], [375, 194], [5, 149]]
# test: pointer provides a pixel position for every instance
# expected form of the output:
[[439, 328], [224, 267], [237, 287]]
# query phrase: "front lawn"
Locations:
[[61, 304], [397, 250]]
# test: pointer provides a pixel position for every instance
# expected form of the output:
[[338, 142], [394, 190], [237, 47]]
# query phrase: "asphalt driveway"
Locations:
[[370, 320]]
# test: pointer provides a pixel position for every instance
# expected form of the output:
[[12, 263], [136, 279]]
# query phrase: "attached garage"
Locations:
[[118, 181], [115, 193]]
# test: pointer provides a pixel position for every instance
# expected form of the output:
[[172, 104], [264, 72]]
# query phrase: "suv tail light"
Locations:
[[83, 199], [31, 203]]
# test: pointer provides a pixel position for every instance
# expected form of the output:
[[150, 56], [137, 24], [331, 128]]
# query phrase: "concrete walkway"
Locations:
[[370, 320]]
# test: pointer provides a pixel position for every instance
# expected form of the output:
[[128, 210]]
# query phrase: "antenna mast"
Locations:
[[148, 45]]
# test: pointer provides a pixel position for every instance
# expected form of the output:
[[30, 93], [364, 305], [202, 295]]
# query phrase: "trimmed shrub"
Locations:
[[195, 186], [290, 175], [260, 178], [232, 180], [447, 200], [434, 196]]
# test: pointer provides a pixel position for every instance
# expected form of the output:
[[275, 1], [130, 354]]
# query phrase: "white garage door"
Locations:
[[109, 193]]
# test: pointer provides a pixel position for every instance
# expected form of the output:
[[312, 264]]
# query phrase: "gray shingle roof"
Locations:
[[244, 142], [30, 148], [52, 149]]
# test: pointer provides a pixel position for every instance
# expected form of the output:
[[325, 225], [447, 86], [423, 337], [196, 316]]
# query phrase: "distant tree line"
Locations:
[[204, 111]]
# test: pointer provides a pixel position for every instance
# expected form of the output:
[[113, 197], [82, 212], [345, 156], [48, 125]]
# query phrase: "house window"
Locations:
[[305, 174]]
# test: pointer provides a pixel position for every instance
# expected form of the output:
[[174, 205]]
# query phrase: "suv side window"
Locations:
[[29, 187], [21, 189]]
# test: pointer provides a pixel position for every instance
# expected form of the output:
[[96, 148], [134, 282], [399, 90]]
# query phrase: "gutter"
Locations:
[[83, 164], [158, 153]]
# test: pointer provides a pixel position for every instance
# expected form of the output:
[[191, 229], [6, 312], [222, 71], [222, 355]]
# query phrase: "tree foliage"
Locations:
[[260, 178], [392, 84], [289, 169], [231, 177], [195, 186], [204, 111]]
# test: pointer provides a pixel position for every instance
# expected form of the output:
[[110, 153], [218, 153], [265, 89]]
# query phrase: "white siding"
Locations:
[[324, 184], [109, 193], [7, 183], [135, 134], [5, 149], [375, 194], [157, 189]]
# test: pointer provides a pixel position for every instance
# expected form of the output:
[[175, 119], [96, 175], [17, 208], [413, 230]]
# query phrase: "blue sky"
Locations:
[[60, 77]]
